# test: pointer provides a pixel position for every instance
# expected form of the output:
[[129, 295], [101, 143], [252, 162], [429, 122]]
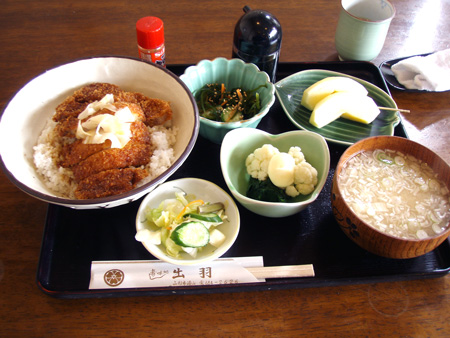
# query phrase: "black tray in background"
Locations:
[[73, 238]]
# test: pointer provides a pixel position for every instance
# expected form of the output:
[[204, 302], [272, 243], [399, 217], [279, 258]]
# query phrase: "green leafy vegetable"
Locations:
[[217, 104], [265, 191]]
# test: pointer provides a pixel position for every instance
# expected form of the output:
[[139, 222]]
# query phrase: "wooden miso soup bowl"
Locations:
[[367, 236]]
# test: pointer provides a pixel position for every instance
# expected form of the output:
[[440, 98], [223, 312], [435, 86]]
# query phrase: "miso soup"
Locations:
[[396, 194]]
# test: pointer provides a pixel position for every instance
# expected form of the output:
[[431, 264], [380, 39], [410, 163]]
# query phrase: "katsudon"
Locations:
[[103, 141]]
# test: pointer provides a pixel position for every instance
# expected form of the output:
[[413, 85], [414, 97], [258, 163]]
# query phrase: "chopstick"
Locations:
[[285, 271], [395, 109]]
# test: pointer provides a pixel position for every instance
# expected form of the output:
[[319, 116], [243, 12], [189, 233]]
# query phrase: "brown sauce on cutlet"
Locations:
[[156, 111], [100, 170], [109, 182], [137, 152]]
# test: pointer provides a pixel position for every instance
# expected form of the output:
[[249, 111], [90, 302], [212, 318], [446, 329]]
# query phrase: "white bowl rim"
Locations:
[[219, 251], [319, 186], [110, 200]]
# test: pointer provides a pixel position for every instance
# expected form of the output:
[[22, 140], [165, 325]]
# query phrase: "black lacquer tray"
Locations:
[[73, 238]]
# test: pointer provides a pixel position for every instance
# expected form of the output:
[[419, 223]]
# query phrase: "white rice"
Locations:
[[60, 180], [163, 139]]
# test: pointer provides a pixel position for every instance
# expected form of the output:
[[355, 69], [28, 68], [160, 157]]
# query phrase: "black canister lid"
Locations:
[[257, 33]]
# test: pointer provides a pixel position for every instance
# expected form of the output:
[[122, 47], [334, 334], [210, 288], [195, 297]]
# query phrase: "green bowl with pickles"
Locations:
[[233, 73]]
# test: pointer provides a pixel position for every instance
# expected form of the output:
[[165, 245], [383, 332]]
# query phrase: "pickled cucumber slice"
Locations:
[[191, 235], [211, 217]]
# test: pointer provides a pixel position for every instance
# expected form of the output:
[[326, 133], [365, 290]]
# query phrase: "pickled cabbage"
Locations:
[[170, 214]]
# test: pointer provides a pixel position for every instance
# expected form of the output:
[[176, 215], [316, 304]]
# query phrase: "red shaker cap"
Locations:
[[150, 32]]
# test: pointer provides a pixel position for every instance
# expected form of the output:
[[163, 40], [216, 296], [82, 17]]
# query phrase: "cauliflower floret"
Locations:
[[305, 173], [304, 189], [305, 179], [296, 153], [291, 191], [257, 163]]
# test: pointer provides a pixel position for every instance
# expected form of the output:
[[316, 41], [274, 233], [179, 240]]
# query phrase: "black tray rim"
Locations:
[[273, 284]]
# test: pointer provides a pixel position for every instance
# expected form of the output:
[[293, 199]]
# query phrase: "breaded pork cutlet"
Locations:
[[75, 149], [156, 111], [76, 103], [98, 169], [135, 153], [109, 182]]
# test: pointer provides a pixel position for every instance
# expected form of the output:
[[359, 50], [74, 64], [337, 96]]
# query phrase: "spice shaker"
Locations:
[[257, 39], [150, 37]]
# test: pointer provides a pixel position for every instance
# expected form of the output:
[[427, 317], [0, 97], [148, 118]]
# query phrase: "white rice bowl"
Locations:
[[25, 127]]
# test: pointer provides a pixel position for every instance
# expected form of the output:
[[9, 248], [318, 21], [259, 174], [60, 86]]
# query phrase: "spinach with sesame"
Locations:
[[217, 104]]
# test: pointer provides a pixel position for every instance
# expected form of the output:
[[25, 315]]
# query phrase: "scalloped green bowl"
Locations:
[[233, 73]]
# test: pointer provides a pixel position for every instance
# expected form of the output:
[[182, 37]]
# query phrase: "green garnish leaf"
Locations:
[[383, 157], [265, 191]]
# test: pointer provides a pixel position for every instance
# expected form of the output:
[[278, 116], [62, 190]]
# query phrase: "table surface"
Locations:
[[36, 36]]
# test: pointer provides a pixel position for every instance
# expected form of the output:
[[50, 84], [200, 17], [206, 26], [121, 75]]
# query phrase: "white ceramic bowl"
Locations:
[[234, 73], [26, 114], [205, 190], [239, 143]]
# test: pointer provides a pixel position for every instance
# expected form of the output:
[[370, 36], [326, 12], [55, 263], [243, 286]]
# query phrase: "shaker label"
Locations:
[[158, 57]]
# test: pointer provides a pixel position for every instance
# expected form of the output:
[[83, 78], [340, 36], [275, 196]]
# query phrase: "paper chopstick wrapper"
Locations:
[[155, 273], [143, 274]]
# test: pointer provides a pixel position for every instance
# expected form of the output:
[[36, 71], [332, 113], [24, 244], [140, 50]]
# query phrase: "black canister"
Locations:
[[257, 39]]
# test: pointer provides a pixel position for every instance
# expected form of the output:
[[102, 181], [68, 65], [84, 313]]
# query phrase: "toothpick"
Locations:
[[395, 109]]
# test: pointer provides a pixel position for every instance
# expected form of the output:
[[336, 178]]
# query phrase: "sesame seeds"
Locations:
[[218, 104]]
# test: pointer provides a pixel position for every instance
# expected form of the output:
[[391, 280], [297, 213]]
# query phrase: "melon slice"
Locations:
[[349, 105], [329, 85]]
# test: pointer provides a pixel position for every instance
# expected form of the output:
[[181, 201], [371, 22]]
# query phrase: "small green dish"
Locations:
[[234, 73], [343, 131], [239, 143]]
